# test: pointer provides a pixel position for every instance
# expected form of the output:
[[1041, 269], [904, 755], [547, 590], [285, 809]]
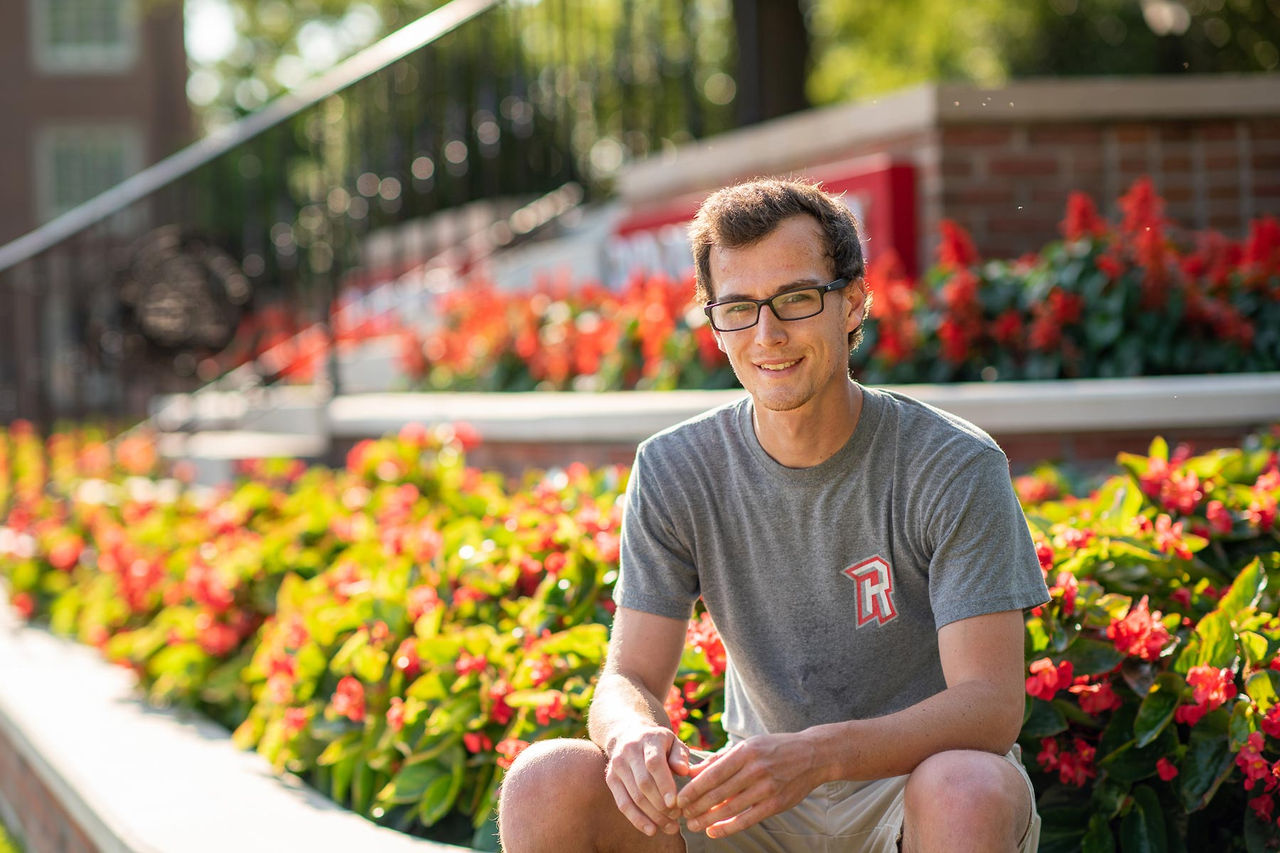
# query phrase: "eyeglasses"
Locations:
[[734, 315]]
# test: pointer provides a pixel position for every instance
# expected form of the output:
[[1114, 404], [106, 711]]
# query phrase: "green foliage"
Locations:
[[398, 631]]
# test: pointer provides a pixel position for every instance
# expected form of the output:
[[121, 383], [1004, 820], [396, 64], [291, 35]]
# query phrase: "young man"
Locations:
[[865, 561]]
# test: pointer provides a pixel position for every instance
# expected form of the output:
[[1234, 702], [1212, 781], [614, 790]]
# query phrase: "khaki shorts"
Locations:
[[841, 817]]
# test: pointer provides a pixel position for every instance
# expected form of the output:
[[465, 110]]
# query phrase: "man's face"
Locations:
[[786, 364]]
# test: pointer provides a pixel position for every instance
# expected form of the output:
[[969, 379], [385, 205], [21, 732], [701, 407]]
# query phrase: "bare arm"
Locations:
[[981, 708], [628, 722]]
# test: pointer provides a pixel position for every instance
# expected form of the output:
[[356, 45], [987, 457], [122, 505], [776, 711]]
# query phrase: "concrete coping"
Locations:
[[827, 134], [144, 780], [1001, 408]]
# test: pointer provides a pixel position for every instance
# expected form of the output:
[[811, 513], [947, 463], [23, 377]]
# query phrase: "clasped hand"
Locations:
[[730, 791]]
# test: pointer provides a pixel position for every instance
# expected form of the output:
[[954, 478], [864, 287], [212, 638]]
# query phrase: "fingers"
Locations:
[[678, 760], [641, 782]]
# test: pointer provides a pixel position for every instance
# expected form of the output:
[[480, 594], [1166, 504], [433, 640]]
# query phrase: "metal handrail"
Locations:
[[383, 53]]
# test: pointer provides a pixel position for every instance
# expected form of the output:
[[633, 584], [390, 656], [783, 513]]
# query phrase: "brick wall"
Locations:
[[1002, 161], [1008, 183], [31, 810]]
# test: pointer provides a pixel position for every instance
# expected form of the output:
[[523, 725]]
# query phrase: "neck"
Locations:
[[811, 434]]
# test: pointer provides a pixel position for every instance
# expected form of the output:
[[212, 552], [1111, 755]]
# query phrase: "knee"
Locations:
[[977, 790], [550, 778]]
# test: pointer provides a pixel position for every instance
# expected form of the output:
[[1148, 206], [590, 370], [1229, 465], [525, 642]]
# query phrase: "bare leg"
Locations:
[[965, 800], [554, 799]]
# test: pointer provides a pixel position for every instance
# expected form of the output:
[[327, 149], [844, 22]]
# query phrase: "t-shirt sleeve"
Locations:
[[983, 558], [657, 573]]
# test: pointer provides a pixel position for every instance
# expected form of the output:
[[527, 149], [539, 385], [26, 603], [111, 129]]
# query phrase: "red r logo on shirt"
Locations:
[[874, 578]]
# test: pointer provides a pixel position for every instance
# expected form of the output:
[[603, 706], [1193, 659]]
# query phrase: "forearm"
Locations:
[[621, 703], [970, 715]]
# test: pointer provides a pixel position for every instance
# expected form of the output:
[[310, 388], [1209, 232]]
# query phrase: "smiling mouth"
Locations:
[[778, 365]]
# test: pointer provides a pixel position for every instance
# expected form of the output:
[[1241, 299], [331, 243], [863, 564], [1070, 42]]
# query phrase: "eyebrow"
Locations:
[[798, 284]]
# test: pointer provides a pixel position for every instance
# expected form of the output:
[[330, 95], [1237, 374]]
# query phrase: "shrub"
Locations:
[[397, 631]]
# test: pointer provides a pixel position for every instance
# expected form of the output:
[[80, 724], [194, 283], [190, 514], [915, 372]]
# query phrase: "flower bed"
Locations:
[[1137, 299], [396, 632]]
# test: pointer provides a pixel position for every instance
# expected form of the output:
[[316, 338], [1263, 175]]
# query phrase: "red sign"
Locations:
[[881, 194]]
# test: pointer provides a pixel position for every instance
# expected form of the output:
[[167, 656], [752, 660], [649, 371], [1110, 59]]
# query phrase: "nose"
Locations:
[[770, 330]]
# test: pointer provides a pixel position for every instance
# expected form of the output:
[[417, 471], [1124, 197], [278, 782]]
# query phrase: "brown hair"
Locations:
[[740, 215]]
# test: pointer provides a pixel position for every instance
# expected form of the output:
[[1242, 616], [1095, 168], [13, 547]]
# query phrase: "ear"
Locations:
[[856, 304], [719, 341]]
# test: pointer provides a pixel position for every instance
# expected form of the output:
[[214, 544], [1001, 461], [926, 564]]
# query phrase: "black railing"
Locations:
[[440, 133]]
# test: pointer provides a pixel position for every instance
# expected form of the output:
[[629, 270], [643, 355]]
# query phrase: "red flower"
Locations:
[[552, 709], [1166, 769], [1212, 687], [1096, 698], [468, 662], [24, 604], [422, 599], [1046, 679], [395, 714], [348, 699], [509, 749], [956, 250], [702, 636], [477, 742], [1007, 328], [500, 712], [1082, 218], [1181, 492], [1219, 517], [1253, 765], [1044, 552], [1270, 723], [406, 658], [674, 706], [1066, 585], [1263, 806], [295, 720], [1168, 537], [1140, 633]]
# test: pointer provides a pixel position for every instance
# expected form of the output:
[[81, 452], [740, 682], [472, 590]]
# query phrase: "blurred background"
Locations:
[[257, 194]]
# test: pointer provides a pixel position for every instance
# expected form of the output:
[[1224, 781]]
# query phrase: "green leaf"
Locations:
[[1098, 838], [369, 663], [341, 782], [1156, 710], [347, 745], [1263, 687], [1159, 449], [1240, 725], [1109, 796], [1092, 657], [440, 794], [411, 782], [1208, 761], [362, 784], [1245, 591], [1254, 648], [1217, 641], [1143, 829], [1042, 719]]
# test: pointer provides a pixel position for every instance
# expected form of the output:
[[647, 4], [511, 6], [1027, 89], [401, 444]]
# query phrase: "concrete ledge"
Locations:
[[136, 778], [817, 135], [1085, 405]]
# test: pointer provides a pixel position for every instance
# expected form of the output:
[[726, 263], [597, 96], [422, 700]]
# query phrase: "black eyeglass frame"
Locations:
[[823, 290]]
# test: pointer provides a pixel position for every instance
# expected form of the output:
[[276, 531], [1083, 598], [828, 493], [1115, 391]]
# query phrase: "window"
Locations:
[[84, 36], [74, 164]]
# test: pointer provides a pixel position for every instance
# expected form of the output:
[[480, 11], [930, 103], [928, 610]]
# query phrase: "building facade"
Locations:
[[92, 92]]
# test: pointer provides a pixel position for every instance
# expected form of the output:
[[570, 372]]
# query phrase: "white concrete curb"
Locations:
[[147, 780]]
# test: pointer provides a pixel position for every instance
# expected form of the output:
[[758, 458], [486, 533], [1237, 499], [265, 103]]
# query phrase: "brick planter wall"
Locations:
[[1002, 161]]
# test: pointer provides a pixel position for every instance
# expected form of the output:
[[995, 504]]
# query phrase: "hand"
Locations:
[[755, 779], [641, 776]]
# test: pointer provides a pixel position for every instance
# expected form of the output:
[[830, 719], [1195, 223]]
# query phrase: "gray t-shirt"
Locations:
[[828, 584]]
